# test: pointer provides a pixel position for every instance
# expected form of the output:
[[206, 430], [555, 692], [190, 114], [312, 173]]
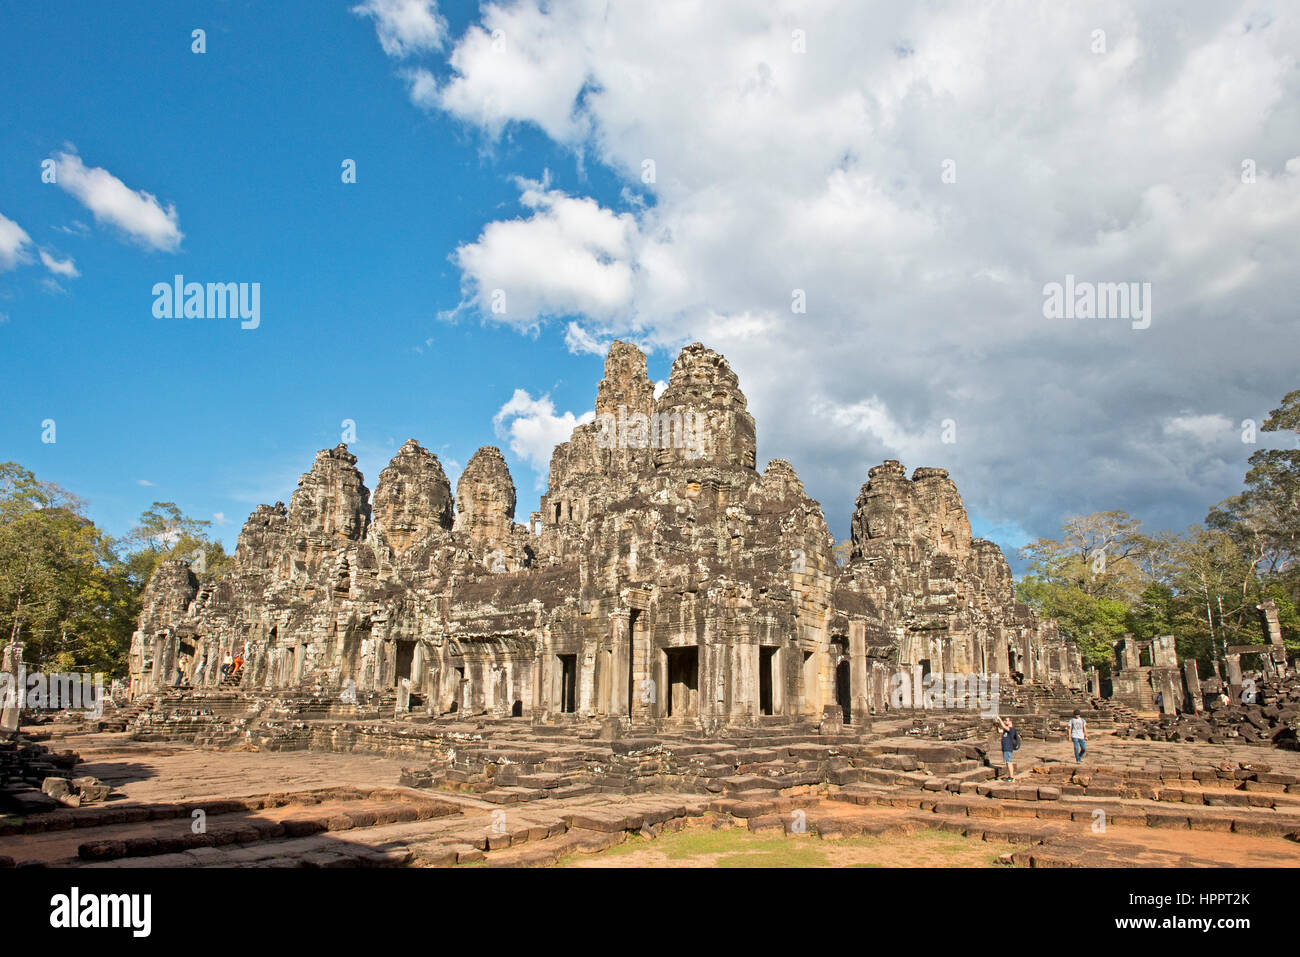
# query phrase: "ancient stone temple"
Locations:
[[663, 579]]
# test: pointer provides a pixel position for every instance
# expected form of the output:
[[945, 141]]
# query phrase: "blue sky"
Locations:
[[505, 147], [247, 142]]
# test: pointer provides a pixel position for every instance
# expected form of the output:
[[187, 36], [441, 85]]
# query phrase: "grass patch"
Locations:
[[701, 845]]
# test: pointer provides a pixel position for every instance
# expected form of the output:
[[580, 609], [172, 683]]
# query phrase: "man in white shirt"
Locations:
[[1078, 736]]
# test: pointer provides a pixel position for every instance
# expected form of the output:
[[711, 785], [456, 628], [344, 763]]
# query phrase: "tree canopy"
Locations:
[[70, 592]]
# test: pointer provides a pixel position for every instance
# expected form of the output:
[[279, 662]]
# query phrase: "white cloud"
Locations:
[[580, 341], [569, 256], [135, 212], [1202, 428], [65, 267], [220, 518], [778, 171], [405, 27], [533, 429], [144, 482], [13, 243]]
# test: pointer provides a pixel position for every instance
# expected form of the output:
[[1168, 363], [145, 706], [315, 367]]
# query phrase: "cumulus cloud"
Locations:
[[569, 256], [405, 27], [861, 204], [60, 267], [13, 243], [533, 429], [135, 212]]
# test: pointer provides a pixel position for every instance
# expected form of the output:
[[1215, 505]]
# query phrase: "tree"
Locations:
[[69, 591], [62, 590], [164, 532]]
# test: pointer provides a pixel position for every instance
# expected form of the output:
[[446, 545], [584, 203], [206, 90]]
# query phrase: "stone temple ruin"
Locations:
[[668, 642], [663, 580]]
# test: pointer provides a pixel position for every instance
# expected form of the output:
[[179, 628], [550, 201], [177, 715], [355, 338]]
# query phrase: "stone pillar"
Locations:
[[1272, 627], [1192, 678], [1163, 654], [859, 676], [620, 660], [1273, 634], [1234, 669], [13, 688], [587, 678], [644, 706], [1234, 678], [1129, 657]]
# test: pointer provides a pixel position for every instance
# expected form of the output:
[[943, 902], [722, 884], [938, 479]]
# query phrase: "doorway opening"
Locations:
[[683, 681], [766, 679], [460, 689], [405, 657], [843, 698], [568, 683]]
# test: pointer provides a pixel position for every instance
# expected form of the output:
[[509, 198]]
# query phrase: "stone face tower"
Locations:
[[704, 401], [663, 579], [413, 497], [485, 504]]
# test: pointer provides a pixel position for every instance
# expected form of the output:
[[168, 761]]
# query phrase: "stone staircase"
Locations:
[[121, 719]]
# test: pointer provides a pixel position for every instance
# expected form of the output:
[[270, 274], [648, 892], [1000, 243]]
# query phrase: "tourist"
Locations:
[[1010, 741], [239, 663], [226, 664], [1078, 736]]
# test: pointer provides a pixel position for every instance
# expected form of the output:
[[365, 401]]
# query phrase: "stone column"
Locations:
[[859, 676], [1234, 678], [1163, 654], [1192, 678], [1234, 669], [587, 678], [12, 689], [642, 676], [620, 660], [1273, 634]]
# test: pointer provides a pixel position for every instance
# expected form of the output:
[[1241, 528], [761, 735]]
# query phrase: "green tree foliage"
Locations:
[[62, 588], [164, 533], [1104, 578], [70, 592]]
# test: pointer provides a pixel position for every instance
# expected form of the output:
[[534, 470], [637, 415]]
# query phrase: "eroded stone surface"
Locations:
[[663, 579]]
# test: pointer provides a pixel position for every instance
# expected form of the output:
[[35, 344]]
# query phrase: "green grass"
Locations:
[[737, 847]]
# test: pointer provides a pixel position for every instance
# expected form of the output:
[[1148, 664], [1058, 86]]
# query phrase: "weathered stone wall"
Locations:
[[663, 578]]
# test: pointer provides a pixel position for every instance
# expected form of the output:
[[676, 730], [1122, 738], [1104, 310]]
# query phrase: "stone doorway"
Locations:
[[405, 658], [843, 692], [683, 682], [568, 683], [458, 691], [766, 679]]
